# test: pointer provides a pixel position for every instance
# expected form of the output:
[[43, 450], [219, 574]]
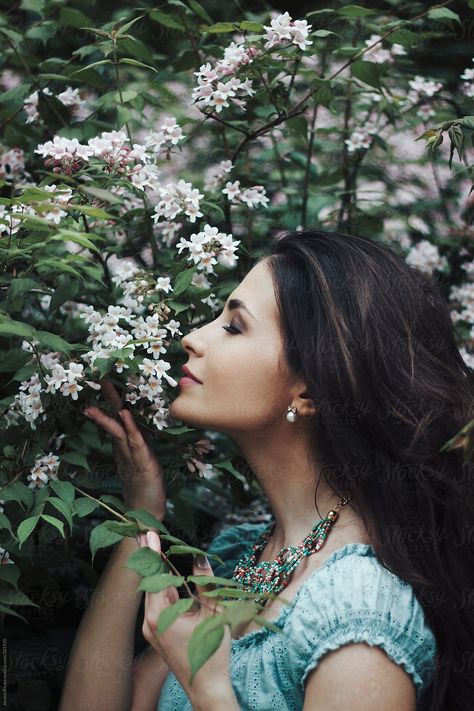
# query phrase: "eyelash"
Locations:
[[231, 329]]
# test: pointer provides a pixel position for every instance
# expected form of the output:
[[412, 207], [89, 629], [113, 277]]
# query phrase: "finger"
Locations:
[[111, 394], [201, 566], [134, 435], [108, 423]]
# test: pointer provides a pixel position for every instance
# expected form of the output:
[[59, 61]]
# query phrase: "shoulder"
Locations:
[[353, 598]]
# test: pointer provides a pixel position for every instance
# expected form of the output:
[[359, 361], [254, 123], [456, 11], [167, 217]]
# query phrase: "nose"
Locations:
[[189, 341]]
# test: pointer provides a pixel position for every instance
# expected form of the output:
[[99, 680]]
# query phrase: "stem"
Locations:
[[307, 168], [117, 79], [439, 187], [346, 195]]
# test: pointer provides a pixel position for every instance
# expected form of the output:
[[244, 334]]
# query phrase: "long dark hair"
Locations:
[[373, 338]]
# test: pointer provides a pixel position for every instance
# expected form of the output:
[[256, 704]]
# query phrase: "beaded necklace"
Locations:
[[274, 576]]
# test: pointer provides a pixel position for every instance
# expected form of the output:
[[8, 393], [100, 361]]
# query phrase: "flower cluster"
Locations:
[[69, 97], [208, 247], [214, 93], [256, 195], [421, 90], [425, 255], [175, 198], [108, 336], [193, 457], [12, 164], [380, 55], [44, 469], [4, 557], [283, 28], [64, 155], [360, 138], [468, 83]]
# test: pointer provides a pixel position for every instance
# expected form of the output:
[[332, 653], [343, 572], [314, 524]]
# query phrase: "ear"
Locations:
[[304, 403]]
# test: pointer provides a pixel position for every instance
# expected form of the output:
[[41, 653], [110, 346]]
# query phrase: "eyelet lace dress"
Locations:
[[350, 598]]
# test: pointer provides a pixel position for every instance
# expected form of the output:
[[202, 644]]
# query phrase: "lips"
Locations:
[[188, 373]]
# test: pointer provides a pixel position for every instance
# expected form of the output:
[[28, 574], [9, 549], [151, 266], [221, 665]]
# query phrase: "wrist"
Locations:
[[215, 699]]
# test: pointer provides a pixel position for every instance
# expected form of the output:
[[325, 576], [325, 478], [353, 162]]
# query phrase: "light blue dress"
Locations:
[[351, 598]]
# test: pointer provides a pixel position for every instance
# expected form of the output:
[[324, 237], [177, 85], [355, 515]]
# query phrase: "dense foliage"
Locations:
[[145, 159]]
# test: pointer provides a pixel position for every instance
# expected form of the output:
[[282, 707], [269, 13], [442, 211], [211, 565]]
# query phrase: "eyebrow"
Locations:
[[238, 304]]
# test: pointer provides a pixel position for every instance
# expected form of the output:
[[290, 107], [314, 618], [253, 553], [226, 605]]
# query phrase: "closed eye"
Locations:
[[231, 329]]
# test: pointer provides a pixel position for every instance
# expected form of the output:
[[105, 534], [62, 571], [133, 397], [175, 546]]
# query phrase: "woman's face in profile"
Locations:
[[238, 357]]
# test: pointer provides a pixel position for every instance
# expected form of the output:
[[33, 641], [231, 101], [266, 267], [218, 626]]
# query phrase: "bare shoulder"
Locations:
[[359, 677]]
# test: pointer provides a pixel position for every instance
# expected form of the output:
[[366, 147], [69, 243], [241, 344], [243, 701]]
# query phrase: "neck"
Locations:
[[289, 474]]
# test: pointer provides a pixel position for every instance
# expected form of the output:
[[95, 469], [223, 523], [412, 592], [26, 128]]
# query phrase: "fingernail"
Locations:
[[148, 537], [201, 561]]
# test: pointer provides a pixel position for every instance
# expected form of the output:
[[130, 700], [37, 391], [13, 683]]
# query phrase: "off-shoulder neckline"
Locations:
[[364, 549]]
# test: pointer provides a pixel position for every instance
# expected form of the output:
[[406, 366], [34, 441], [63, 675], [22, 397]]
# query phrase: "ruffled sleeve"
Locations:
[[230, 545], [354, 598]]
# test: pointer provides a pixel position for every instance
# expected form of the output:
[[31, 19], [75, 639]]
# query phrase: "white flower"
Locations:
[[232, 190], [284, 28], [164, 283], [72, 389], [425, 255]]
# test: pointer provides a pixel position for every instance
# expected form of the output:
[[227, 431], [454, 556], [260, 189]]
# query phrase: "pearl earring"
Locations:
[[291, 414]]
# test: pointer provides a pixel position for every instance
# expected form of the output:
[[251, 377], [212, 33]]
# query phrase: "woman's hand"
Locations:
[[142, 478], [212, 680]]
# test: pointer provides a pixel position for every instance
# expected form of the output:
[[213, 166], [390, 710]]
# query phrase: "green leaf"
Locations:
[[184, 550], [5, 524], [158, 582], [13, 360], [324, 33], [366, 72], [251, 26], [16, 328], [26, 527], [104, 195], [211, 579], [147, 519], [219, 27], [83, 507], [10, 573], [76, 458], [62, 507], [8, 611], [183, 281], [169, 614], [53, 341], [145, 562], [443, 14], [15, 597], [63, 293], [90, 66], [17, 491], [124, 529], [355, 11], [93, 211], [54, 522], [101, 537], [70, 17], [64, 489], [199, 10], [136, 63], [166, 20], [204, 641], [467, 121]]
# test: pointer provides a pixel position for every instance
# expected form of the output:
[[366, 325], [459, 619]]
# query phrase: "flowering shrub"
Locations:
[[137, 188]]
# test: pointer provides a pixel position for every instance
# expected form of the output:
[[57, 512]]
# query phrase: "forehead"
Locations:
[[256, 290]]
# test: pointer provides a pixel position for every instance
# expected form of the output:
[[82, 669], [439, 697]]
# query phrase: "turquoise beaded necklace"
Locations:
[[274, 576]]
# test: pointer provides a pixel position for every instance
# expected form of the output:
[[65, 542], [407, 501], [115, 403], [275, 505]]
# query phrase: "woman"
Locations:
[[339, 378]]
